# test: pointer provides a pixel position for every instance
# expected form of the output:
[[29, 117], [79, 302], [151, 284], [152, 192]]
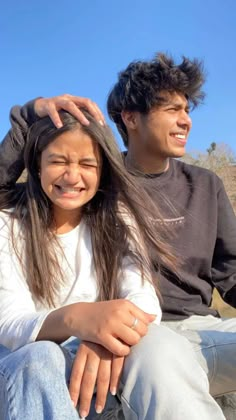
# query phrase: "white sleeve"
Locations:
[[140, 293], [132, 288], [20, 322]]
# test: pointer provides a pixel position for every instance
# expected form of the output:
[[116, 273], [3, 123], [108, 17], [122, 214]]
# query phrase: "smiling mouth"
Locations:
[[182, 138], [69, 190]]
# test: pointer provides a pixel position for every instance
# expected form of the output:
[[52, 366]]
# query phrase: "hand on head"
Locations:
[[72, 104]]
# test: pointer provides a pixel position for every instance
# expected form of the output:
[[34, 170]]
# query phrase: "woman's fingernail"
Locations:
[[101, 122], [83, 413], [98, 409], [113, 391]]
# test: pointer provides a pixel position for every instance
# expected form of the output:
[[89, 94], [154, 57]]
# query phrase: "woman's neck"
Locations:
[[65, 221]]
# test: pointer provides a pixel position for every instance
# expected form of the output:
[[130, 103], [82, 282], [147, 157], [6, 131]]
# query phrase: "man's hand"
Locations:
[[69, 103], [94, 366]]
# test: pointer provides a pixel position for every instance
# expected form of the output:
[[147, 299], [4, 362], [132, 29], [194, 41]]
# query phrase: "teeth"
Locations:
[[180, 136], [69, 190]]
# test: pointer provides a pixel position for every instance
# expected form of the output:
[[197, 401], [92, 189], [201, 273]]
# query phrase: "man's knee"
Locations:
[[159, 352]]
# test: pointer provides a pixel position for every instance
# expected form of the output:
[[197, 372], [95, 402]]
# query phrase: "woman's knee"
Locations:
[[37, 359], [45, 355]]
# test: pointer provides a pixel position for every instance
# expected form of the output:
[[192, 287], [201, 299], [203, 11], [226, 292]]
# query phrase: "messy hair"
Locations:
[[113, 238], [141, 85]]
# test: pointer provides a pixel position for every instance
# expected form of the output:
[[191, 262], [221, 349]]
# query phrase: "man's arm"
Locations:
[[224, 261], [12, 146], [21, 118]]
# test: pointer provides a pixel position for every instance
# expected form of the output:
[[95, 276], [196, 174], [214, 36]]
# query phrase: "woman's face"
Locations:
[[70, 173]]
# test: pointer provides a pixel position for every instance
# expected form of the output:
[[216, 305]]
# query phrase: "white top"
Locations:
[[21, 316]]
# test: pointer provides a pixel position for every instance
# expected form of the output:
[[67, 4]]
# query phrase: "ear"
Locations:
[[129, 119]]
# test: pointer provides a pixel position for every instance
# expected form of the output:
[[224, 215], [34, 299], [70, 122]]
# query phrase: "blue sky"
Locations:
[[52, 47]]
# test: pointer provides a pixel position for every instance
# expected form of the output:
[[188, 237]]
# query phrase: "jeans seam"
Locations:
[[8, 397], [212, 347], [217, 345], [128, 405]]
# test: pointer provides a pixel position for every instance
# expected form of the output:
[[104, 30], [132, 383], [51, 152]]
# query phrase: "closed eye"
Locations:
[[58, 162], [172, 109], [89, 165], [177, 108]]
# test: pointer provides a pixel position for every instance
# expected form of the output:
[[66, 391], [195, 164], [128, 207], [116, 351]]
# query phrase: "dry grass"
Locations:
[[224, 309], [228, 176]]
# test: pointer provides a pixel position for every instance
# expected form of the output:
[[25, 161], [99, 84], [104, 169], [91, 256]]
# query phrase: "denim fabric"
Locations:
[[163, 379], [214, 343], [33, 383]]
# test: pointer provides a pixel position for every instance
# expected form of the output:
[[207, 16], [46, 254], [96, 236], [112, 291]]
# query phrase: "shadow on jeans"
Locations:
[[227, 403]]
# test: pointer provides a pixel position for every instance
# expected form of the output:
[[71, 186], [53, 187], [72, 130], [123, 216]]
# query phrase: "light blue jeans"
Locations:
[[214, 343], [165, 377]]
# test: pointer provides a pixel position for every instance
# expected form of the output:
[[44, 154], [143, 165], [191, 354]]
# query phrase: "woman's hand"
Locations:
[[94, 366], [116, 324], [72, 104]]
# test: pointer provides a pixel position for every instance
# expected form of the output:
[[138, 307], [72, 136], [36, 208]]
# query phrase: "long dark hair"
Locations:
[[120, 217]]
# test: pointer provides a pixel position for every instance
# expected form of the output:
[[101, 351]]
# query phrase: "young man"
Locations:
[[150, 105]]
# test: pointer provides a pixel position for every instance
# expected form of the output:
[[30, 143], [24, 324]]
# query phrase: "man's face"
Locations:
[[164, 130]]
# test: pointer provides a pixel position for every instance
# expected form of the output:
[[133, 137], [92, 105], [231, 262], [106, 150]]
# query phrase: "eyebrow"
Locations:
[[55, 155], [87, 159], [175, 104], [83, 159]]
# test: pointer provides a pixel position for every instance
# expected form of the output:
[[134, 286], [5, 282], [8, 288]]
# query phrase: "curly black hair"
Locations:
[[141, 84]]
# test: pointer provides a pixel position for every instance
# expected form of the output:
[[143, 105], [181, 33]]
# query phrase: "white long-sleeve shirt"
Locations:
[[21, 316]]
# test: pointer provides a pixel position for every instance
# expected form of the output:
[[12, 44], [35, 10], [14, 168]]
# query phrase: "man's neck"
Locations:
[[147, 165]]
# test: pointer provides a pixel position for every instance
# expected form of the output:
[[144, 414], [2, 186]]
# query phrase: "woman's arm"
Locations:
[[108, 323], [140, 292], [12, 146], [133, 286], [21, 322]]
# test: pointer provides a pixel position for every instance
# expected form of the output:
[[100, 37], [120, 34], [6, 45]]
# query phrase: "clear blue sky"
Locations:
[[50, 47]]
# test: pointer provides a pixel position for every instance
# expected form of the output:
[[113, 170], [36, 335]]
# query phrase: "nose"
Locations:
[[72, 174], [185, 120]]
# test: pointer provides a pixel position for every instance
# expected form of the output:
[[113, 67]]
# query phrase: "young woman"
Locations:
[[76, 281]]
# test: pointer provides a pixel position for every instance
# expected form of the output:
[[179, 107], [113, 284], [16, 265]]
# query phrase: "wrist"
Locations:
[[75, 318], [54, 327]]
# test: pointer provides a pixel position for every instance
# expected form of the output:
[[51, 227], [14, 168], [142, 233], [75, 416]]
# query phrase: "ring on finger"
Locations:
[[135, 323]]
